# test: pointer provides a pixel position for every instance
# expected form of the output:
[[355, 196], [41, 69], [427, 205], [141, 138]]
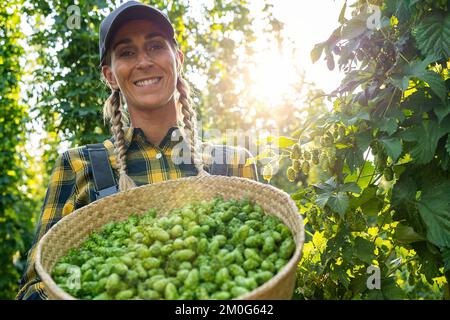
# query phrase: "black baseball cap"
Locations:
[[131, 10]]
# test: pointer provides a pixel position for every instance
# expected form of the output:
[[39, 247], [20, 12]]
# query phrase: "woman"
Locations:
[[142, 65]]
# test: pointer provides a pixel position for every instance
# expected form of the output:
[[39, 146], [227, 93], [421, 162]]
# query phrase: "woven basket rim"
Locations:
[[292, 263]]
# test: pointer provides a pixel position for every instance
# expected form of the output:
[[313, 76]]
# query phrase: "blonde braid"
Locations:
[[112, 111], [189, 128]]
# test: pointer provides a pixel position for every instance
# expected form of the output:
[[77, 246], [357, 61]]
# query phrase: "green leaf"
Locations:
[[350, 187], [429, 260], [418, 69], [406, 234], [441, 110], [391, 290], [329, 193], [358, 284], [353, 28], [322, 199], [364, 178], [398, 8], [281, 142], [447, 145], [401, 82], [329, 185], [393, 147], [446, 259], [367, 200], [436, 84], [354, 158], [363, 140], [388, 125], [433, 35], [364, 250], [285, 142], [426, 135], [404, 190], [372, 207], [316, 52], [434, 209], [339, 203], [342, 19]]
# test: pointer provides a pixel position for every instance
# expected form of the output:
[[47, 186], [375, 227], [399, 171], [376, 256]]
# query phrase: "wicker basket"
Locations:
[[73, 229]]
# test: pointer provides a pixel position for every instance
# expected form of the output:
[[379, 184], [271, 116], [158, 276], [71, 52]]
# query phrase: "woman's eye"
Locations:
[[126, 53], [155, 46]]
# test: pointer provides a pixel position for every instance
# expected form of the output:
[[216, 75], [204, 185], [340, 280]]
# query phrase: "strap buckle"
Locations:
[[107, 192]]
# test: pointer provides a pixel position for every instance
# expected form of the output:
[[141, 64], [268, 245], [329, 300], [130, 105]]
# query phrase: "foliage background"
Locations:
[[370, 174]]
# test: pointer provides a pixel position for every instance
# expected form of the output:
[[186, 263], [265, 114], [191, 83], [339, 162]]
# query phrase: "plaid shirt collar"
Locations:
[[172, 137]]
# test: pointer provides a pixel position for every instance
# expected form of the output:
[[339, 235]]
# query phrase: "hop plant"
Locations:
[[374, 148], [297, 165], [296, 152], [327, 140], [307, 155], [342, 131], [388, 174], [291, 174], [315, 160], [315, 153], [325, 161], [315, 157], [267, 172], [305, 167]]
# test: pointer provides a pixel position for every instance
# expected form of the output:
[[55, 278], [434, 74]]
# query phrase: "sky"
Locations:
[[307, 23]]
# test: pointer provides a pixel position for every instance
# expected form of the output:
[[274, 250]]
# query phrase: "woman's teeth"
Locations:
[[147, 82]]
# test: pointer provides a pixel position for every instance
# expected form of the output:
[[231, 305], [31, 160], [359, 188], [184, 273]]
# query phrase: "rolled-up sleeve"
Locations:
[[59, 201]]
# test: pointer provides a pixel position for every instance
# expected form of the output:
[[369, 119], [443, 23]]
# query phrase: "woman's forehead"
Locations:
[[137, 28]]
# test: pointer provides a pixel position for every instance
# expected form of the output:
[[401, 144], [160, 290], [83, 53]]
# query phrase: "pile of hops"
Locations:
[[205, 250]]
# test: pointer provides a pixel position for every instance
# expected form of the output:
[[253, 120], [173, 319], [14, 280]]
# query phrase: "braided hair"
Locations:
[[113, 111]]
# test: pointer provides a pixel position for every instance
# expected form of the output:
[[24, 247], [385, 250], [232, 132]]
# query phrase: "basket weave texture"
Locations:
[[73, 229]]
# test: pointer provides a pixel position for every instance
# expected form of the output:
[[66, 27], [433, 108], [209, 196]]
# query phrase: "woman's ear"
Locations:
[[109, 76]]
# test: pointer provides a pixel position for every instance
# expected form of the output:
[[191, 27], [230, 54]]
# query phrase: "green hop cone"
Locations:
[[315, 160], [297, 165], [388, 174], [305, 167], [374, 148], [296, 152], [267, 172], [291, 174], [307, 155]]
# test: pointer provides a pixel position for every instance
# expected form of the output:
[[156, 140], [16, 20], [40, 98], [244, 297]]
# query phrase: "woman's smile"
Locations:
[[148, 83]]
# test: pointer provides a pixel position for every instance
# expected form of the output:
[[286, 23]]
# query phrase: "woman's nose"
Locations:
[[144, 61]]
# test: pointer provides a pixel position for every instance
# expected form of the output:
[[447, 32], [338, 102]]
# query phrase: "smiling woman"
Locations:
[[142, 65], [144, 68]]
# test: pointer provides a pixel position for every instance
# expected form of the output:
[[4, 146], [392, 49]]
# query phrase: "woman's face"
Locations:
[[143, 65]]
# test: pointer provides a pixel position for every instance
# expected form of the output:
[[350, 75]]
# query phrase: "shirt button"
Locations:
[[158, 155]]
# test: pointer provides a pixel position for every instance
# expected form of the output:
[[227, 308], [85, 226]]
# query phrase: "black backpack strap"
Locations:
[[220, 169], [104, 181]]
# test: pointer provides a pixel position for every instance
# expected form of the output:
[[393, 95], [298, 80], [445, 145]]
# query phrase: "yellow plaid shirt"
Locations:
[[71, 184]]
